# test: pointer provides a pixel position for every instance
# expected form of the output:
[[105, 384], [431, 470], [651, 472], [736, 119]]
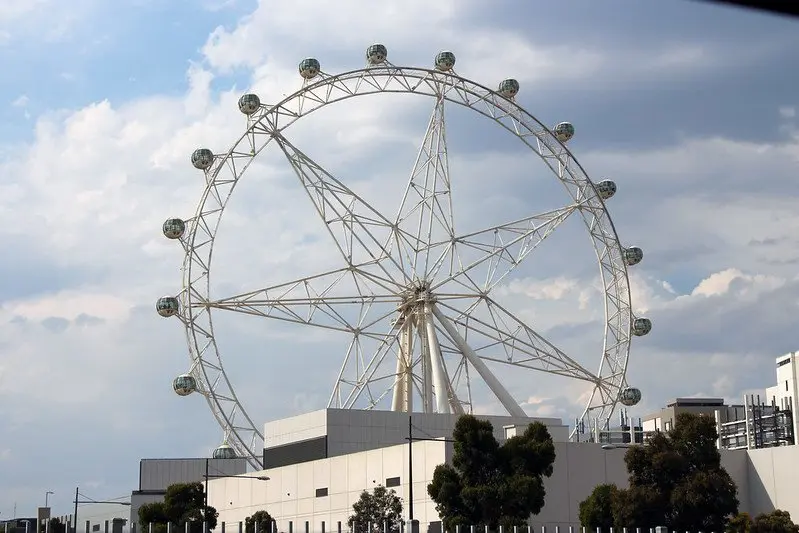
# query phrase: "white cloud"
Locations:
[[22, 101]]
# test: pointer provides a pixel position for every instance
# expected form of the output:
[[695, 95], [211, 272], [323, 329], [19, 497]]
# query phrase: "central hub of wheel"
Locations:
[[415, 297]]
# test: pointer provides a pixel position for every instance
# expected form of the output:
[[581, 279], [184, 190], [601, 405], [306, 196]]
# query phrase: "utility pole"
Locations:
[[205, 492], [410, 468], [76, 510]]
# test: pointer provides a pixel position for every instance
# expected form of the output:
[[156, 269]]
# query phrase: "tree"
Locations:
[[260, 521], [183, 503], [740, 523], [55, 525], [372, 511], [596, 511], [489, 484], [676, 480], [777, 521]]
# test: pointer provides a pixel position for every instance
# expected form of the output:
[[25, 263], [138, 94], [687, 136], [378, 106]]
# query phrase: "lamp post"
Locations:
[[78, 501], [208, 477], [47, 496], [411, 439]]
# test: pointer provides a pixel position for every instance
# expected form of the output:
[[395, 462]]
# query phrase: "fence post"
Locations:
[[257, 527], [291, 526], [205, 526], [323, 526], [307, 527], [241, 527], [338, 527], [169, 527]]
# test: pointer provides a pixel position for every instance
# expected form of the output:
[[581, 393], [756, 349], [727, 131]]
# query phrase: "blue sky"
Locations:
[[690, 108]]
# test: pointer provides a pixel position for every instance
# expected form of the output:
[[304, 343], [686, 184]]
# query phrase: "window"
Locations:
[[321, 493], [392, 482], [96, 527]]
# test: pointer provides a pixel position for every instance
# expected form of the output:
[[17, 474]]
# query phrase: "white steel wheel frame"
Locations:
[[270, 121]]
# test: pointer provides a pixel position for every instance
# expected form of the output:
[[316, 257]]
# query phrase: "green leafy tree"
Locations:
[[373, 510], [777, 521], [55, 525], [740, 523], [183, 503], [489, 484], [677, 480], [260, 520], [596, 511]]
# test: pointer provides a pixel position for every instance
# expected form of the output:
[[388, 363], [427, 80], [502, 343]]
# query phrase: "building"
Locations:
[[314, 492], [755, 423], [785, 393], [18, 525], [156, 475], [333, 432]]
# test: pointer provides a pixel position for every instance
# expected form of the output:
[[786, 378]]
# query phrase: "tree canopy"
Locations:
[[183, 503], [373, 510], [489, 484], [260, 521], [55, 525], [596, 511], [675, 480], [777, 521]]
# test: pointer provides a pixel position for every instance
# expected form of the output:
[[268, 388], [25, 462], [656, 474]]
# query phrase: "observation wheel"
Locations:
[[413, 300]]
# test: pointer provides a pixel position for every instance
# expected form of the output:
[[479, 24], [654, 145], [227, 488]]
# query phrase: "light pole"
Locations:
[[77, 501], [46, 497], [208, 477]]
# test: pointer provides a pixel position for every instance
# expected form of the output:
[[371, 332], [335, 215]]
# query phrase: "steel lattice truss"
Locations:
[[413, 296]]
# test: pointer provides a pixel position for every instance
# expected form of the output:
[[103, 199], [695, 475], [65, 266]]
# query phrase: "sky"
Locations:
[[690, 108]]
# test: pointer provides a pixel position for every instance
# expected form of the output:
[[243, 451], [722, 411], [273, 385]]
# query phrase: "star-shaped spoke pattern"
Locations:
[[413, 294]]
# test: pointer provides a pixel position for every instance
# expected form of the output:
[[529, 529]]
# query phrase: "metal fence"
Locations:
[[400, 527]]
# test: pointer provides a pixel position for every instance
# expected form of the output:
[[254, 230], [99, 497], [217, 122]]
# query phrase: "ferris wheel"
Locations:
[[413, 299]]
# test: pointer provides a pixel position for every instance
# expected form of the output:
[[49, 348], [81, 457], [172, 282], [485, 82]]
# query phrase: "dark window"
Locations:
[[96, 527], [320, 493], [392, 482]]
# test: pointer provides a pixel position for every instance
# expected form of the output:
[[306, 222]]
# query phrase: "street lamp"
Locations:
[[46, 496], [208, 477]]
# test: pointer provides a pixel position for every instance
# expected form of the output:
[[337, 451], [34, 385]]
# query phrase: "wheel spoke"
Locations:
[[342, 300], [365, 370], [496, 251], [426, 207], [496, 335], [360, 232]]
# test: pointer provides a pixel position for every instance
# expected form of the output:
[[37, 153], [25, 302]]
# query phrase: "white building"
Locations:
[[322, 461], [156, 475], [785, 393]]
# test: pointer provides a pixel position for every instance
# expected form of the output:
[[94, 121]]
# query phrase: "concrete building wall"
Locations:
[[324, 490], [158, 474], [291, 493], [773, 480], [332, 432]]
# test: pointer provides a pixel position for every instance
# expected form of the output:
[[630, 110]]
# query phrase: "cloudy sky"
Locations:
[[691, 109]]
